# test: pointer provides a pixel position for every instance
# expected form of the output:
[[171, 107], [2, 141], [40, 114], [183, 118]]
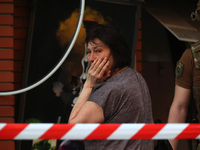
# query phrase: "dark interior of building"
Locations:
[[167, 30]]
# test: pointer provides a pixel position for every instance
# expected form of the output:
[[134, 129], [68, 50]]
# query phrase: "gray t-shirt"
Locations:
[[124, 98]]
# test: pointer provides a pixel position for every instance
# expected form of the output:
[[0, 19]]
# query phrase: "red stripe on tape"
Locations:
[[57, 131], [10, 131], [103, 131], [190, 132], [148, 131]]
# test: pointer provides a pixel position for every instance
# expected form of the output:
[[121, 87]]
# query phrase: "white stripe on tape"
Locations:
[[34, 131], [80, 131], [2, 125], [125, 131], [170, 131]]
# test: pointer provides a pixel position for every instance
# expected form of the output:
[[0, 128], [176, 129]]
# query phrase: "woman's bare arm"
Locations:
[[86, 111]]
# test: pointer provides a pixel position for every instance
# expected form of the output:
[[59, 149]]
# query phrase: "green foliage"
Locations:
[[43, 145]]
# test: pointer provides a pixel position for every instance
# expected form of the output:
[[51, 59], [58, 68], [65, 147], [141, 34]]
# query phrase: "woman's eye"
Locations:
[[88, 52], [98, 51]]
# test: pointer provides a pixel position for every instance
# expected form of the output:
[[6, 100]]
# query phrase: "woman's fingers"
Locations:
[[98, 65], [98, 71], [104, 68], [93, 64]]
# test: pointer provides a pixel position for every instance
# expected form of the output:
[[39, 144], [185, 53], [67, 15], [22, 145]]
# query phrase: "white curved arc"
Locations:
[[59, 64]]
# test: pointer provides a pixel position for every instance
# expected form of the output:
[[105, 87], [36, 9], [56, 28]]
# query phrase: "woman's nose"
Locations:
[[92, 57]]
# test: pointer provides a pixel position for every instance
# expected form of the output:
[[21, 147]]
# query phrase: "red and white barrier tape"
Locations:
[[32, 131]]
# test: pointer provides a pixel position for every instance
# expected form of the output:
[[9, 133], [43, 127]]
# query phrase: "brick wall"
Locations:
[[138, 56], [6, 65], [13, 31]]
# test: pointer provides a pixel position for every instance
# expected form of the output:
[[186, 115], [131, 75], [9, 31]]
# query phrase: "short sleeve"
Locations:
[[106, 96], [184, 70]]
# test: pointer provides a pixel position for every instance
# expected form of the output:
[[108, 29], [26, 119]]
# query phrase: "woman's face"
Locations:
[[97, 49]]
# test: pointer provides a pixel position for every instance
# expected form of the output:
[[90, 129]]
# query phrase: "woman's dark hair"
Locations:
[[113, 38]]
